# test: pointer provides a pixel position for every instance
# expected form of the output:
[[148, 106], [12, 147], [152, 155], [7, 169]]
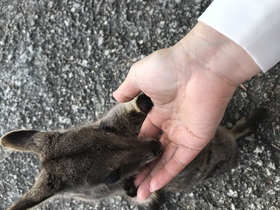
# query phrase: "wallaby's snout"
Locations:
[[156, 147]]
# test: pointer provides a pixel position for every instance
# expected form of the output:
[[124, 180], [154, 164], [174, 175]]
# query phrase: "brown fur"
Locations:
[[100, 160]]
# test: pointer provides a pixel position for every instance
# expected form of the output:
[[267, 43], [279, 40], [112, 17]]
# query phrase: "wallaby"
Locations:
[[100, 160]]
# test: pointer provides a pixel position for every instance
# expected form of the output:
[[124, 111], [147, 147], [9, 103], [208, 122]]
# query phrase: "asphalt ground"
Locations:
[[60, 61]]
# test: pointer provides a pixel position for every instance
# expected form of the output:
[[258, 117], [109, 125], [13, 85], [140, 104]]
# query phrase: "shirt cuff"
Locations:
[[252, 24]]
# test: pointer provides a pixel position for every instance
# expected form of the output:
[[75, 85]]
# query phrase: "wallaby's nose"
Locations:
[[156, 147]]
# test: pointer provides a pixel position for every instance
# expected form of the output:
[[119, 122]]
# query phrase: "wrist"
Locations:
[[216, 53]]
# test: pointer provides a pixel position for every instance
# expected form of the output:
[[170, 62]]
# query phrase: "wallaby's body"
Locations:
[[100, 160]]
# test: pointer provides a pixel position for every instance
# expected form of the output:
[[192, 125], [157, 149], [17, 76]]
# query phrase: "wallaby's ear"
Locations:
[[21, 140], [45, 187]]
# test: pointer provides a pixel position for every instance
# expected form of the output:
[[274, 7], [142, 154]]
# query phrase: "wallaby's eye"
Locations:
[[107, 128], [113, 177]]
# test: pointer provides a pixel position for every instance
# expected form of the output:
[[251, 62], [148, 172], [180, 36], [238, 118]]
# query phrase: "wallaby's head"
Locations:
[[82, 161]]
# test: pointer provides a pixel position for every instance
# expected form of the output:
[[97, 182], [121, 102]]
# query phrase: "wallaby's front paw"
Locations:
[[129, 187], [144, 103]]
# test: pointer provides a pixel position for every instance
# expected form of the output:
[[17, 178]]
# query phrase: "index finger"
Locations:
[[188, 147], [182, 157]]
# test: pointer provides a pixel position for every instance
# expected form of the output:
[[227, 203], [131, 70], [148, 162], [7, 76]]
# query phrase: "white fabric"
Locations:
[[253, 24]]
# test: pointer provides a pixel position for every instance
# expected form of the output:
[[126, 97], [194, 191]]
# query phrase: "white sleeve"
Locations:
[[252, 24]]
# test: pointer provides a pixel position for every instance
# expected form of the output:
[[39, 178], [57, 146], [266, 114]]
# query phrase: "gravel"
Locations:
[[60, 62]]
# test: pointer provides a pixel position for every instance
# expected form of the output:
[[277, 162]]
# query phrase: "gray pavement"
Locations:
[[60, 62]]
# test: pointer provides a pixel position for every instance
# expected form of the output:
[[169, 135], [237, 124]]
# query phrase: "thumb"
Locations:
[[127, 90]]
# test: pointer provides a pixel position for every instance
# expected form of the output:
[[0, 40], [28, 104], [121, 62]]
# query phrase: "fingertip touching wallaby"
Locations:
[[100, 160]]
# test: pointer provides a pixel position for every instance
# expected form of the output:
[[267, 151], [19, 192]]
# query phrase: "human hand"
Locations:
[[190, 85]]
